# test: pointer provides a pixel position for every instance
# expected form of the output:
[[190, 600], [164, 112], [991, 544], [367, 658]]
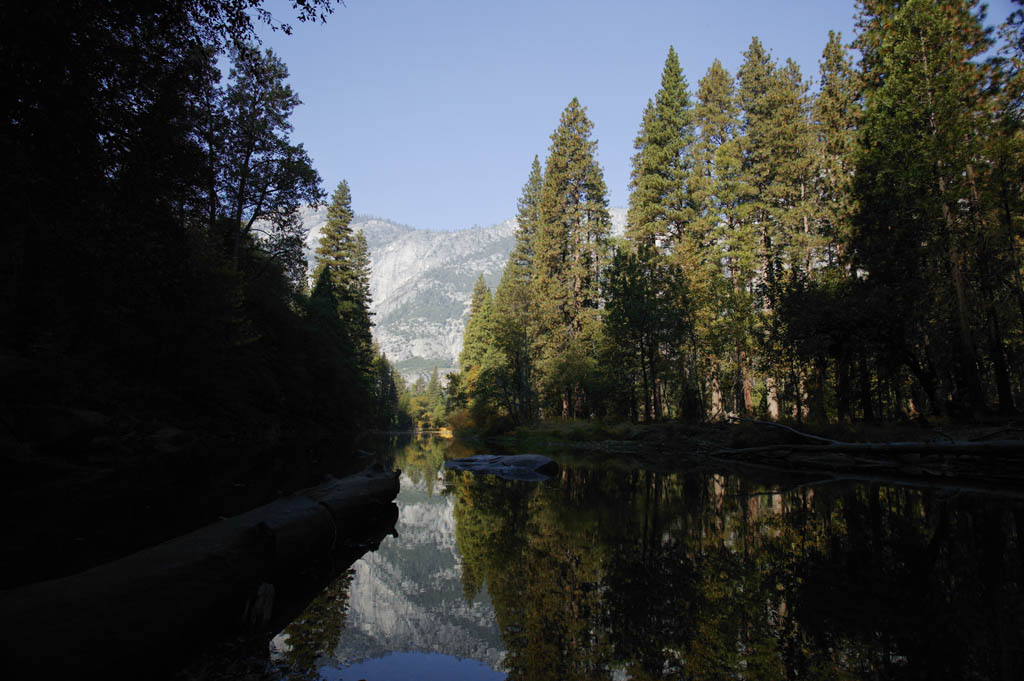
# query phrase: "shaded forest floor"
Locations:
[[984, 458]]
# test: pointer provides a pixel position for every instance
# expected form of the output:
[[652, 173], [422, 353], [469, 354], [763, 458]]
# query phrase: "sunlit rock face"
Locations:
[[422, 282], [407, 596]]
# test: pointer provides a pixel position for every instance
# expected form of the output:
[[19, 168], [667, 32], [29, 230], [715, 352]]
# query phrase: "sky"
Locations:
[[433, 110]]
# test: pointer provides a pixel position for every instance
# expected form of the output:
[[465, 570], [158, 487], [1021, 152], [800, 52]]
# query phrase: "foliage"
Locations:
[[705, 576], [153, 257], [850, 253]]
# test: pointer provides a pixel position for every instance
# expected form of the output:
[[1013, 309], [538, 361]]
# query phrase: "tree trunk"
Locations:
[[747, 384], [817, 413], [773, 397], [844, 411], [717, 409], [995, 342], [865, 390]]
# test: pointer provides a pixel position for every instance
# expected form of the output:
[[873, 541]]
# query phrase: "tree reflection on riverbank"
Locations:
[[703, 576]]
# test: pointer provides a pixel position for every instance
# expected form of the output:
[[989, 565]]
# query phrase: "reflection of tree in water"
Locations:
[[421, 457], [708, 577], [314, 634]]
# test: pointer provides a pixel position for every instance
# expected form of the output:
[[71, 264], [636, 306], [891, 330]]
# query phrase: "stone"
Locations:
[[528, 467]]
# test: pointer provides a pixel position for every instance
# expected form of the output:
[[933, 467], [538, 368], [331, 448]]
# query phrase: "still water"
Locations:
[[616, 573]]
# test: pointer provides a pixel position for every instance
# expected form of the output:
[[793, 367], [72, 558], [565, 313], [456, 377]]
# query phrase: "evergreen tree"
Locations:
[[343, 256], [527, 219], [660, 207], [385, 393], [514, 322], [920, 226], [819, 308], [661, 212], [778, 171], [835, 113], [356, 301], [751, 238], [477, 336], [722, 251], [645, 314], [511, 327], [570, 251], [482, 375]]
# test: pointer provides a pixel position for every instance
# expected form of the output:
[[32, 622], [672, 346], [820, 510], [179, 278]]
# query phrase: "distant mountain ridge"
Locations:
[[422, 281]]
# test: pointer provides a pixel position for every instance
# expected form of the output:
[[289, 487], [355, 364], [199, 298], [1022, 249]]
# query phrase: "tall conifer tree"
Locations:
[[570, 251], [661, 212], [835, 113], [344, 257], [919, 222], [514, 321], [717, 296], [660, 207]]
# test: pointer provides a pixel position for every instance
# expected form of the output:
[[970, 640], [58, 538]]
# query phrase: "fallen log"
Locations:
[[955, 447], [165, 603], [951, 447]]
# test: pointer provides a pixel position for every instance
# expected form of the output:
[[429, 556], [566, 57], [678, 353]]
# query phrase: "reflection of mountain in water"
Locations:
[[407, 596]]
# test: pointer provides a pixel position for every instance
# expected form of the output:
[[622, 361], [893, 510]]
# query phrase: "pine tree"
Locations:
[[835, 113], [344, 257], [527, 219], [661, 212], [355, 304], [820, 309], [513, 320], [660, 207], [920, 225], [645, 313], [710, 258], [570, 251], [477, 336], [724, 247], [751, 238], [778, 171], [793, 153], [483, 375]]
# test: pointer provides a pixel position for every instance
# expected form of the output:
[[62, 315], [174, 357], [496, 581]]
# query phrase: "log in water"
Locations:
[[160, 604]]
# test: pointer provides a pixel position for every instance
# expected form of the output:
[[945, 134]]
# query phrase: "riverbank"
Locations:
[[137, 483], [980, 457]]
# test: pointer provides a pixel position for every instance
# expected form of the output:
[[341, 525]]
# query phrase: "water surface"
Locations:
[[609, 573]]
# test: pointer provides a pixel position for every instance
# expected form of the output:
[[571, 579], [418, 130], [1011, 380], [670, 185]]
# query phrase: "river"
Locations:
[[607, 572]]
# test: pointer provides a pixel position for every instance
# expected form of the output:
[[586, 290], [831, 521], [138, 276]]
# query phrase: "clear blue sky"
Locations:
[[434, 109]]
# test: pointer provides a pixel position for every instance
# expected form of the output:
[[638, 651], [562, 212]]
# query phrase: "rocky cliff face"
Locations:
[[422, 282]]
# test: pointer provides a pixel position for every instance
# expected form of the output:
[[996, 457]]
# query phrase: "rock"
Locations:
[[529, 467]]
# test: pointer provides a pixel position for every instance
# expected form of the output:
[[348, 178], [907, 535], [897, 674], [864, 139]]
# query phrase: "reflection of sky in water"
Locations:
[[414, 667], [407, 615]]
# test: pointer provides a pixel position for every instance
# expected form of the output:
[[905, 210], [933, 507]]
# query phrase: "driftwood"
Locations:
[[129, 617]]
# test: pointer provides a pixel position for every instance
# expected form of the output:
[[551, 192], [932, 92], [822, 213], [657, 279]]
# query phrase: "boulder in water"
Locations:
[[529, 467]]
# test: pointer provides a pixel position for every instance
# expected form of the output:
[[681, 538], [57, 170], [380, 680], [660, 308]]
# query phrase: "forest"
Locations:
[[821, 252], [153, 271]]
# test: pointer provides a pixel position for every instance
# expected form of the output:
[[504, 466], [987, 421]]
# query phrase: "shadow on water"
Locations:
[[604, 573]]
